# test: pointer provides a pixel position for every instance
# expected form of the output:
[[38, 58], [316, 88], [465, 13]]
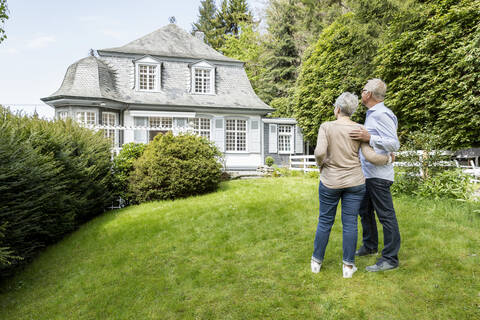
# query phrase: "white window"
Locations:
[[236, 135], [62, 115], [160, 122], [202, 81], [203, 78], [139, 134], [147, 74], [86, 118], [201, 126], [285, 139], [147, 77], [109, 119]]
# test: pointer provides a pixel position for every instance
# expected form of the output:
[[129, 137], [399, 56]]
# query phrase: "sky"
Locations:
[[45, 37]]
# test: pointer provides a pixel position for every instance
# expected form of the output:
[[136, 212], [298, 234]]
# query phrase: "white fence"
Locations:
[[307, 163], [303, 163]]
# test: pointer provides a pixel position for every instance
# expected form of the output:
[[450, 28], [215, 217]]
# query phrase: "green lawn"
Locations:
[[244, 253]]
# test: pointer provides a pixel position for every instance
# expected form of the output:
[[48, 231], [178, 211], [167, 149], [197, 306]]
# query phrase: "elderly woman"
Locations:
[[341, 178]]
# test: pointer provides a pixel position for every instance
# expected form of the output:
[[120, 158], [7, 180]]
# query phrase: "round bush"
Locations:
[[269, 161], [175, 167]]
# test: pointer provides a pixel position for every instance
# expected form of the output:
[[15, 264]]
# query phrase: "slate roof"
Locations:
[[171, 41], [112, 76], [89, 77]]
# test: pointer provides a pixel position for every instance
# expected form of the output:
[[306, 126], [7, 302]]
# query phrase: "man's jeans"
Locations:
[[351, 199], [378, 197]]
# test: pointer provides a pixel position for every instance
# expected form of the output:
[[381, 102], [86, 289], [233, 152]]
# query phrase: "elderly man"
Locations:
[[381, 133]]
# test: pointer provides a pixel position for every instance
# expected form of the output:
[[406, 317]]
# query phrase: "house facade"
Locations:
[[171, 81]]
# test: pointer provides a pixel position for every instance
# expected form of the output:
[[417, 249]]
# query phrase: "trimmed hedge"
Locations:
[[53, 177], [123, 166], [176, 167]]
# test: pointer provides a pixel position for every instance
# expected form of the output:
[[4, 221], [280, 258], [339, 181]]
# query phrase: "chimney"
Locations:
[[200, 35]]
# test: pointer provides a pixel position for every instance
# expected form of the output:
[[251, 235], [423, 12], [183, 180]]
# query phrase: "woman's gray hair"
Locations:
[[377, 87], [347, 103]]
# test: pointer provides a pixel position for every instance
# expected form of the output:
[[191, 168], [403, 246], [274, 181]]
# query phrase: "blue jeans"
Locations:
[[351, 198], [379, 198]]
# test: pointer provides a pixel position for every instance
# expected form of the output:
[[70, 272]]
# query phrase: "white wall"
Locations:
[[249, 159]]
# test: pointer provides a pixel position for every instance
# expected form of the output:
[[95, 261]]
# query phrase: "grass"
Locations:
[[244, 253]]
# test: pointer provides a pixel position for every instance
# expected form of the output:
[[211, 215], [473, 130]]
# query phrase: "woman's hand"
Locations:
[[391, 158]]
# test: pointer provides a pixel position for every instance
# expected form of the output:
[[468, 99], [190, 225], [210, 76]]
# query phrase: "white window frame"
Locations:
[[148, 61], [286, 134], [107, 133], [83, 121], [62, 115], [203, 65], [236, 131], [196, 126]]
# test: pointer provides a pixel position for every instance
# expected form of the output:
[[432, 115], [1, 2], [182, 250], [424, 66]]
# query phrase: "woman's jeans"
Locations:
[[351, 199]]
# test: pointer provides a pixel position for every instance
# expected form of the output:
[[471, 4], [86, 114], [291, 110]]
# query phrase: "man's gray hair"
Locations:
[[347, 102], [377, 87]]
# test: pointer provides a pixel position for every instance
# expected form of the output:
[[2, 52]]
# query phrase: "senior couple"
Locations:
[[356, 167]]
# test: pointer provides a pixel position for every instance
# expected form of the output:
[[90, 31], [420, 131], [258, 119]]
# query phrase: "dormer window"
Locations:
[[147, 77], [148, 74], [203, 78]]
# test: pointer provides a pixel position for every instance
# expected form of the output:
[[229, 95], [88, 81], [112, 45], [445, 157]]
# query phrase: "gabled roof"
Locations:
[[89, 77], [170, 41]]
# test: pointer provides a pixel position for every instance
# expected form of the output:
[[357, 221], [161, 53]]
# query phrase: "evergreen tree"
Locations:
[[216, 23], [281, 57], [208, 23], [238, 13]]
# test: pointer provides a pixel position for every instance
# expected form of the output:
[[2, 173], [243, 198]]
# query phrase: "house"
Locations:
[[172, 81]]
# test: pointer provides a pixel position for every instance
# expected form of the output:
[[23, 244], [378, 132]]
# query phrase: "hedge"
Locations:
[[53, 177]]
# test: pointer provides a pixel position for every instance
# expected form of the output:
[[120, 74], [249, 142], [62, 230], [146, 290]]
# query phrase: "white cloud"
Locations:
[[41, 41]]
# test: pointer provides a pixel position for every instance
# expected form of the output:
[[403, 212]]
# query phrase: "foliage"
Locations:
[[452, 184], [123, 166], [341, 61], [246, 251], [54, 176], [174, 167], [269, 161], [3, 17], [428, 174], [217, 23], [208, 24], [6, 255], [247, 47], [432, 65], [280, 55]]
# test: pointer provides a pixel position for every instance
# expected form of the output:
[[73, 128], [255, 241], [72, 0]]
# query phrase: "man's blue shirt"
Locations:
[[382, 125]]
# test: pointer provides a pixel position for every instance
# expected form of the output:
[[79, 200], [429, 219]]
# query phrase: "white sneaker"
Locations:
[[315, 266], [347, 272]]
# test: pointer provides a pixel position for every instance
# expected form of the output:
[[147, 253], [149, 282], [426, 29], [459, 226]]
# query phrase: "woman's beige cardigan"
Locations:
[[337, 155]]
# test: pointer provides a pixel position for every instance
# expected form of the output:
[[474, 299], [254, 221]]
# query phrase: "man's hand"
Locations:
[[360, 134]]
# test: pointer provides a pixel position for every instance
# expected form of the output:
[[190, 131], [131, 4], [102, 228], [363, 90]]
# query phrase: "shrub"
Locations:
[[123, 166], [269, 161], [174, 167], [53, 176], [448, 184], [431, 68]]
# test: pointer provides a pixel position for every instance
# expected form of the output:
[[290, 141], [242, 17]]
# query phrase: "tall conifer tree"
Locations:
[[208, 23]]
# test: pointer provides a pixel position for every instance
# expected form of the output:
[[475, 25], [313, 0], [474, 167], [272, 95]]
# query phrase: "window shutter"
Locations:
[[298, 140], [272, 138], [254, 136], [219, 133]]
